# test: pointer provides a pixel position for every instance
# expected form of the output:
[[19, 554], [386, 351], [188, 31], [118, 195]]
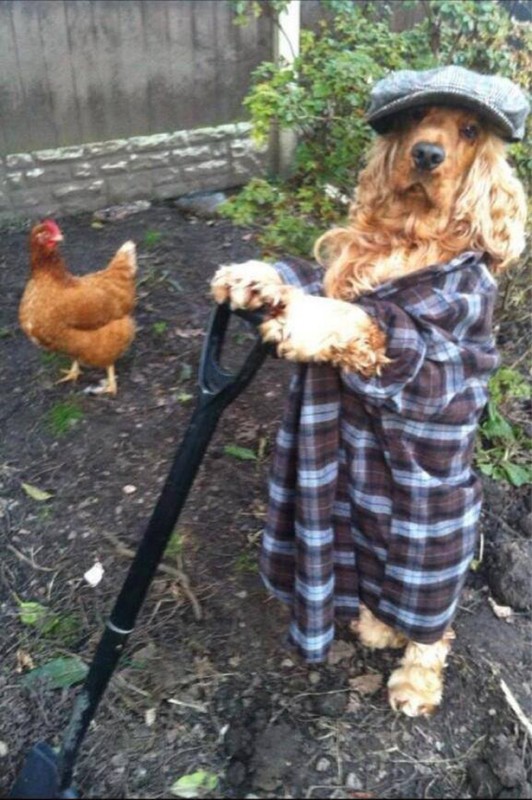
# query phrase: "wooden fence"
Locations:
[[76, 71]]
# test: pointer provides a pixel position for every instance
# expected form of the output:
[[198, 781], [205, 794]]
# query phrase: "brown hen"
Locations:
[[86, 317]]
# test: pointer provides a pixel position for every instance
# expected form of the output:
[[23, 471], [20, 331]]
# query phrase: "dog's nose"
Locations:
[[427, 156]]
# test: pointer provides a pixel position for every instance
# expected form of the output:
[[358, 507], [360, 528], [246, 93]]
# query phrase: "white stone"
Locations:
[[106, 148], [59, 154], [17, 160]]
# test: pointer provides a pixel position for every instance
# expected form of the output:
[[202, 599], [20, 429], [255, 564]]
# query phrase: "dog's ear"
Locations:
[[492, 205]]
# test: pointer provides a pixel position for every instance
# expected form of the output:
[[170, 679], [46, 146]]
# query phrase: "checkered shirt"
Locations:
[[372, 496]]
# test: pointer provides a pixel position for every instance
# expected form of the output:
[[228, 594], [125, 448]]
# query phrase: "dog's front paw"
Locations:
[[241, 284], [275, 299]]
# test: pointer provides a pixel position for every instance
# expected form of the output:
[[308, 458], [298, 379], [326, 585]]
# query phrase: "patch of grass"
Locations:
[[63, 416], [174, 547], [54, 359], [152, 238], [503, 448], [159, 328], [247, 562], [62, 629]]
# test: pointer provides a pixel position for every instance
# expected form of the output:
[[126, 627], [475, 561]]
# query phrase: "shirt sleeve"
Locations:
[[414, 384], [301, 274]]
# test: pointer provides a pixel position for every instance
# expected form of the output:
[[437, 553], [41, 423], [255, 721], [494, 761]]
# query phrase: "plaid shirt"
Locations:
[[372, 494]]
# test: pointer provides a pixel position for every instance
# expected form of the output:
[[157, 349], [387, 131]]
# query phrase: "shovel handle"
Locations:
[[213, 378], [217, 389]]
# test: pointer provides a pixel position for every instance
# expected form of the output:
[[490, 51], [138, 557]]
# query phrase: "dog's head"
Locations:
[[440, 172], [432, 149]]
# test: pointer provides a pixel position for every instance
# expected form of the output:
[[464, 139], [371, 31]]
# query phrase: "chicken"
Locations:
[[86, 317]]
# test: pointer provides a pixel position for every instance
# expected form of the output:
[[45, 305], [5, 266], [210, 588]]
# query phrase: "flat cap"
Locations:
[[500, 101]]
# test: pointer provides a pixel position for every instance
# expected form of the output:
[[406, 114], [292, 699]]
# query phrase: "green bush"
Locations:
[[323, 96]]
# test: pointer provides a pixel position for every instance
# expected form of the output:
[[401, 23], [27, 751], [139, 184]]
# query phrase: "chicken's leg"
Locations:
[[111, 387], [71, 374], [108, 386]]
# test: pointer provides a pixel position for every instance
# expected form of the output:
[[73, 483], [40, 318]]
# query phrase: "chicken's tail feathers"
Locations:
[[129, 251]]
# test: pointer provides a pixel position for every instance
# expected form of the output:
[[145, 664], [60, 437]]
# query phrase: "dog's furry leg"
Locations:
[[241, 284], [376, 634], [416, 687], [322, 329]]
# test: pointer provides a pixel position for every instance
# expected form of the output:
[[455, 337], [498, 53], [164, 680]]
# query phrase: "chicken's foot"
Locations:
[[108, 386], [71, 374]]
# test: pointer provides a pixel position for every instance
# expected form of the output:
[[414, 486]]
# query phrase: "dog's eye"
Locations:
[[469, 132], [417, 114]]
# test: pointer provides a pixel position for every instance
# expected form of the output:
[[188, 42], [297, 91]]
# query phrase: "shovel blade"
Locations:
[[40, 777]]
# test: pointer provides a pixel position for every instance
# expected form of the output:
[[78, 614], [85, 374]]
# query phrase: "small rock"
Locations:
[[330, 705], [120, 212], [202, 204], [484, 784], [323, 765], [314, 678], [236, 773], [120, 761], [4, 750], [237, 742], [129, 488], [340, 651], [287, 663], [523, 792], [509, 573], [506, 764], [525, 523], [353, 782]]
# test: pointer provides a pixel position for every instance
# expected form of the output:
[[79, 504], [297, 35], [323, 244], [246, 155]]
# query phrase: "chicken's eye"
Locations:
[[469, 132]]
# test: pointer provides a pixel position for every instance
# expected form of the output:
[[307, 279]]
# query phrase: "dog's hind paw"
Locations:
[[415, 691]]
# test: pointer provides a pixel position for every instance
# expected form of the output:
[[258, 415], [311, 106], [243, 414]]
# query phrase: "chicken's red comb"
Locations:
[[53, 228]]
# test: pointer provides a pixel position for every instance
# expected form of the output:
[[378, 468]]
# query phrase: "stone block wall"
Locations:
[[89, 176]]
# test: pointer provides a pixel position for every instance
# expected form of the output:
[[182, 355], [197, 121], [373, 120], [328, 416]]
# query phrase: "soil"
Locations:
[[220, 693]]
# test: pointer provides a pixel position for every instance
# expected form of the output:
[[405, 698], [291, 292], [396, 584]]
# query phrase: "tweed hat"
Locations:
[[500, 101]]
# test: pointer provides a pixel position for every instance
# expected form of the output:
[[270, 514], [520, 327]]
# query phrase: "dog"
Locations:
[[373, 501]]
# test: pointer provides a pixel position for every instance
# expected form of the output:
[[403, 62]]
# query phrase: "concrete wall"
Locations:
[[85, 177]]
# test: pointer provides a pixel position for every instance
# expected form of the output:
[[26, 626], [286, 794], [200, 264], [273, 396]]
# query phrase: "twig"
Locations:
[[500, 521], [522, 357], [516, 708], [29, 561], [178, 574], [195, 706]]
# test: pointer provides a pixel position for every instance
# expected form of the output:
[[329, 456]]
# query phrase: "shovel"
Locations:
[[46, 773]]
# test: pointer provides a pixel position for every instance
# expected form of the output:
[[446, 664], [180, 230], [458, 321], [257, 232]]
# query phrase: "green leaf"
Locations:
[[517, 475], [57, 674], [32, 613], [185, 397], [194, 785], [36, 493], [243, 453]]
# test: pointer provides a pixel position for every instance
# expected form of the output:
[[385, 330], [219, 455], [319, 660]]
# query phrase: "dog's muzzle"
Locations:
[[427, 156]]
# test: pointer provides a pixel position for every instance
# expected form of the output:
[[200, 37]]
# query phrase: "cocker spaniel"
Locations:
[[396, 347]]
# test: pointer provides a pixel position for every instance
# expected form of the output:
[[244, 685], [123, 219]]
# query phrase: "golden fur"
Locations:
[[402, 221], [404, 218]]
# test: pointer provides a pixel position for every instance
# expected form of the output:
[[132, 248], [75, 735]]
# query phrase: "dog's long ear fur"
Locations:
[[490, 212]]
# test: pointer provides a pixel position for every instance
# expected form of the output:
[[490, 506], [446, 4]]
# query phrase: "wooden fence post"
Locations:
[[286, 49]]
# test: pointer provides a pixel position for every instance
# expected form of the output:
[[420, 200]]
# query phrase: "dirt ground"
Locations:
[[207, 683]]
